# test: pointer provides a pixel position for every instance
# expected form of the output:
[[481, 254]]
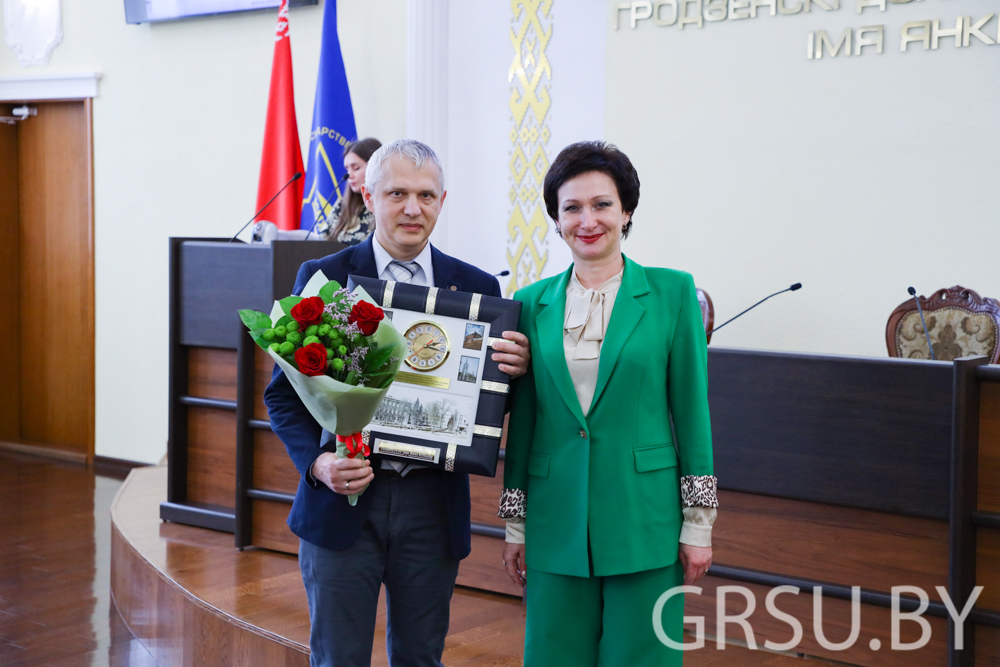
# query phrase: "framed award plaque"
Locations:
[[446, 407]]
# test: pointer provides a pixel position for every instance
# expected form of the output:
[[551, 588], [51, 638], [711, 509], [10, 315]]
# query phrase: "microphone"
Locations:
[[294, 178], [920, 310], [796, 286], [322, 209], [501, 274]]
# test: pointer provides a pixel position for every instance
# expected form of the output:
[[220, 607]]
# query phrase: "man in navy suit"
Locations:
[[410, 528]]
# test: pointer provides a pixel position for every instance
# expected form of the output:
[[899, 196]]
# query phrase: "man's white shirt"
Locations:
[[424, 277]]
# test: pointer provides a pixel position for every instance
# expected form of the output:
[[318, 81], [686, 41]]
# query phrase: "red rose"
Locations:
[[311, 359], [308, 311], [366, 316]]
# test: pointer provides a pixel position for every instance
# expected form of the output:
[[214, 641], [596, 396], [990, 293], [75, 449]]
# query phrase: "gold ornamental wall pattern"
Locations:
[[530, 79]]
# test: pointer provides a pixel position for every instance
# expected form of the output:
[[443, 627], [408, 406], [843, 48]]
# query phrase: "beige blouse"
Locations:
[[588, 313]]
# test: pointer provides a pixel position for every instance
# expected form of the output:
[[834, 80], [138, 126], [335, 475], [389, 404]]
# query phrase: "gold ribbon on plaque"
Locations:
[[474, 307], [432, 295], [494, 387], [390, 287], [487, 431]]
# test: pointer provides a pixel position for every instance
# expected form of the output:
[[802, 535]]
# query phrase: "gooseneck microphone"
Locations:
[[501, 274], [294, 178], [796, 286], [920, 310], [322, 209]]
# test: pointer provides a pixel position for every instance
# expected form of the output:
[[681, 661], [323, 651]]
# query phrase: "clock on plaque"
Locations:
[[427, 346], [446, 407]]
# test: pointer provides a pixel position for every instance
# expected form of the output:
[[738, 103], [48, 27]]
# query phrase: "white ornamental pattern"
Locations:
[[33, 29]]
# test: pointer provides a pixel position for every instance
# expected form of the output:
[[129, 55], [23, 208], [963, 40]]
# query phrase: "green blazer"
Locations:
[[611, 480]]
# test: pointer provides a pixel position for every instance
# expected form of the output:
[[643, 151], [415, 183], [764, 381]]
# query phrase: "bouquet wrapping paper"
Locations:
[[340, 408]]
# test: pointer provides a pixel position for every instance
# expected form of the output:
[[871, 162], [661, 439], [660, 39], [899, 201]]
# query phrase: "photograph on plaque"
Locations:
[[474, 335], [408, 409], [468, 369], [447, 403]]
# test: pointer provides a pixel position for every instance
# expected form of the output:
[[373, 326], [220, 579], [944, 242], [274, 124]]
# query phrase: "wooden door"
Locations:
[[10, 407], [49, 305]]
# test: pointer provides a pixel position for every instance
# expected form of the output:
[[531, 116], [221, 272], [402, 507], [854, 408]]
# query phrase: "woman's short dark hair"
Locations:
[[587, 156]]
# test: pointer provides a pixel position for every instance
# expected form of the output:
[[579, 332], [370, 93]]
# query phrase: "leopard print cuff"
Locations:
[[513, 504], [699, 491]]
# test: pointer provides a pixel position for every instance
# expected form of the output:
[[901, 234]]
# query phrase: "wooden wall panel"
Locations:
[[988, 569], [987, 646], [57, 276], [485, 493], [272, 469], [263, 366], [838, 545], [270, 527], [212, 373], [10, 280], [483, 568], [875, 624], [989, 446], [212, 456]]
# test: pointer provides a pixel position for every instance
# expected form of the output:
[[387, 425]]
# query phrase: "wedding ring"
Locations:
[[347, 486]]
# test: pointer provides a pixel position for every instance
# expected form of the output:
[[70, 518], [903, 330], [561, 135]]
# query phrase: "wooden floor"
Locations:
[[55, 548]]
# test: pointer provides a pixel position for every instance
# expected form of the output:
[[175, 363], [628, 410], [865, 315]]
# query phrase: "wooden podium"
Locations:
[[211, 414]]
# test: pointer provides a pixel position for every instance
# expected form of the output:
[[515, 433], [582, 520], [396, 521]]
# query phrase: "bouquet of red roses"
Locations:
[[339, 353]]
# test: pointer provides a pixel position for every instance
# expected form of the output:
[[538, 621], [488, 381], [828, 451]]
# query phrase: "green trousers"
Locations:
[[602, 621]]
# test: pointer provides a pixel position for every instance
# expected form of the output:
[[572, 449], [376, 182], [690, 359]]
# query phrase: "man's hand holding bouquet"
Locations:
[[339, 353]]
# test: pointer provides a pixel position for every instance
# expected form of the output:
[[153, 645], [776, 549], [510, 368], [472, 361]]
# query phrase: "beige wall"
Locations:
[[178, 126], [858, 176]]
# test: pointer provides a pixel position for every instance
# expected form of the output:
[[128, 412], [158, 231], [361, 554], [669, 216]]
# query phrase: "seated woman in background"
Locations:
[[350, 222]]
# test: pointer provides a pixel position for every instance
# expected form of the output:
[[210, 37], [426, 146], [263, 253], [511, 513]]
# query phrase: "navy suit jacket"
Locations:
[[319, 515]]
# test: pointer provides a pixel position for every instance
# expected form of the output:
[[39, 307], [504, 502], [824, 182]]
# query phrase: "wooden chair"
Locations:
[[959, 321], [707, 312]]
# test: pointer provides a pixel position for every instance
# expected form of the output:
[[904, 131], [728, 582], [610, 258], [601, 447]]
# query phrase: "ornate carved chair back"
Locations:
[[959, 321], [707, 312]]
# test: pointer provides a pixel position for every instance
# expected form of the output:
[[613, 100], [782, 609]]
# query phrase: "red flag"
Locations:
[[282, 155]]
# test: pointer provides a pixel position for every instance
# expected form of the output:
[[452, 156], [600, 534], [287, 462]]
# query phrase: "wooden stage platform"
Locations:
[[192, 598]]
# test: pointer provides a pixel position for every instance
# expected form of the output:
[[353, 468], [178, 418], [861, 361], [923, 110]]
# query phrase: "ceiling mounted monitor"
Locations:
[[147, 11]]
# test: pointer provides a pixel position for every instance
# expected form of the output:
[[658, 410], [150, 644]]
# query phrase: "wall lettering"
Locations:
[[819, 44]]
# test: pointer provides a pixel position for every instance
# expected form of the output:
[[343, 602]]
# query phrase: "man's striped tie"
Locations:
[[403, 272]]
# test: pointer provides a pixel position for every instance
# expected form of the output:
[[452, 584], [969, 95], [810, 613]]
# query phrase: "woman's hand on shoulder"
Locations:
[[514, 562], [695, 560]]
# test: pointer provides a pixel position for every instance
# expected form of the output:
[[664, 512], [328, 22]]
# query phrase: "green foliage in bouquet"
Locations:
[[330, 334]]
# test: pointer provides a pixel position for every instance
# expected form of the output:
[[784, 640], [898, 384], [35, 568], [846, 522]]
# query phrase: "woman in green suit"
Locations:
[[620, 510]]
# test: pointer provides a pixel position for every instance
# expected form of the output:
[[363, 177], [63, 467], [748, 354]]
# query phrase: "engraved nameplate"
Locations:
[[407, 451]]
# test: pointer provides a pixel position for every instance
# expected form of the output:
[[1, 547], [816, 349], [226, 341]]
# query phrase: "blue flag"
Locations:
[[332, 128]]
